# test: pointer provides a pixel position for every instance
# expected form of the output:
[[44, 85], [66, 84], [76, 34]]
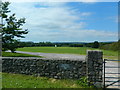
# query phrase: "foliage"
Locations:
[[11, 28], [113, 46], [95, 44], [61, 44], [76, 45], [8, 54], [25, 81], [83, 82], [32, 44]]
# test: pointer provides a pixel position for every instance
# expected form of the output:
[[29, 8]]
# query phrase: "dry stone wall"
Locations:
[[95, 67], [92, 67], [59, 69]]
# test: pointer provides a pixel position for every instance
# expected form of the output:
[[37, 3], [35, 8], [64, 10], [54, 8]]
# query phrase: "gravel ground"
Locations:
[[82, 57], [56, 56]]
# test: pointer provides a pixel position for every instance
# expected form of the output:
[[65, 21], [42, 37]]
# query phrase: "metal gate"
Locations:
[[110, 73]]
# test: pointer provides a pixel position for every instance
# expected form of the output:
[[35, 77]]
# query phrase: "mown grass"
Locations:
[[70, 50], [27, 81], [9, 54]]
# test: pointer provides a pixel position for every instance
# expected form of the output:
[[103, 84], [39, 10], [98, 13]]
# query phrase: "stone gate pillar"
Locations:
[[94, 60]]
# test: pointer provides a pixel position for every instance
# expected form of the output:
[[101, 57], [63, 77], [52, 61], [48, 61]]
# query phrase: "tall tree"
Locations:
[[11, 28], [95, 44]]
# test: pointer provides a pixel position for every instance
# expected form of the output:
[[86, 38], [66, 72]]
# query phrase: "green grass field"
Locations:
[[70, 50], [27, 81], [9, 54]]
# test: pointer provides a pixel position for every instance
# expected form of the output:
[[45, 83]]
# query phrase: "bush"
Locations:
[[82, 81], [95, 44]]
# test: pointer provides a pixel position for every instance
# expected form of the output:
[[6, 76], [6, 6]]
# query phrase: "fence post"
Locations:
[[94, 72]]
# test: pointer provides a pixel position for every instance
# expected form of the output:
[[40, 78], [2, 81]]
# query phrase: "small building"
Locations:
[[55, 45]]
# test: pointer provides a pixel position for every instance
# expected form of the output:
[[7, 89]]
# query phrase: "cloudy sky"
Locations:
[[68, 21]]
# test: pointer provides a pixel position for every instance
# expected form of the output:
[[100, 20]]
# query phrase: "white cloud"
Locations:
[[51, 16], [72, 35], [56, 22], [86, 14]]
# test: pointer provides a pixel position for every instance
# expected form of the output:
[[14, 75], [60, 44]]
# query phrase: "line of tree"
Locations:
[[43, 44], [95, 44], [101, 45]]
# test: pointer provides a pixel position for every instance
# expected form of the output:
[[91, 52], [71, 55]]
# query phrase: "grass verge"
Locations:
[[9, 54], [27, 81]]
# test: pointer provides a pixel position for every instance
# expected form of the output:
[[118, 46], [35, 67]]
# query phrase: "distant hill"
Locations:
[[112, 46]]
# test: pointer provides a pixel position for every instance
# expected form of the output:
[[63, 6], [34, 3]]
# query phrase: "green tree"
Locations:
[[96, 44], [11, 28]]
